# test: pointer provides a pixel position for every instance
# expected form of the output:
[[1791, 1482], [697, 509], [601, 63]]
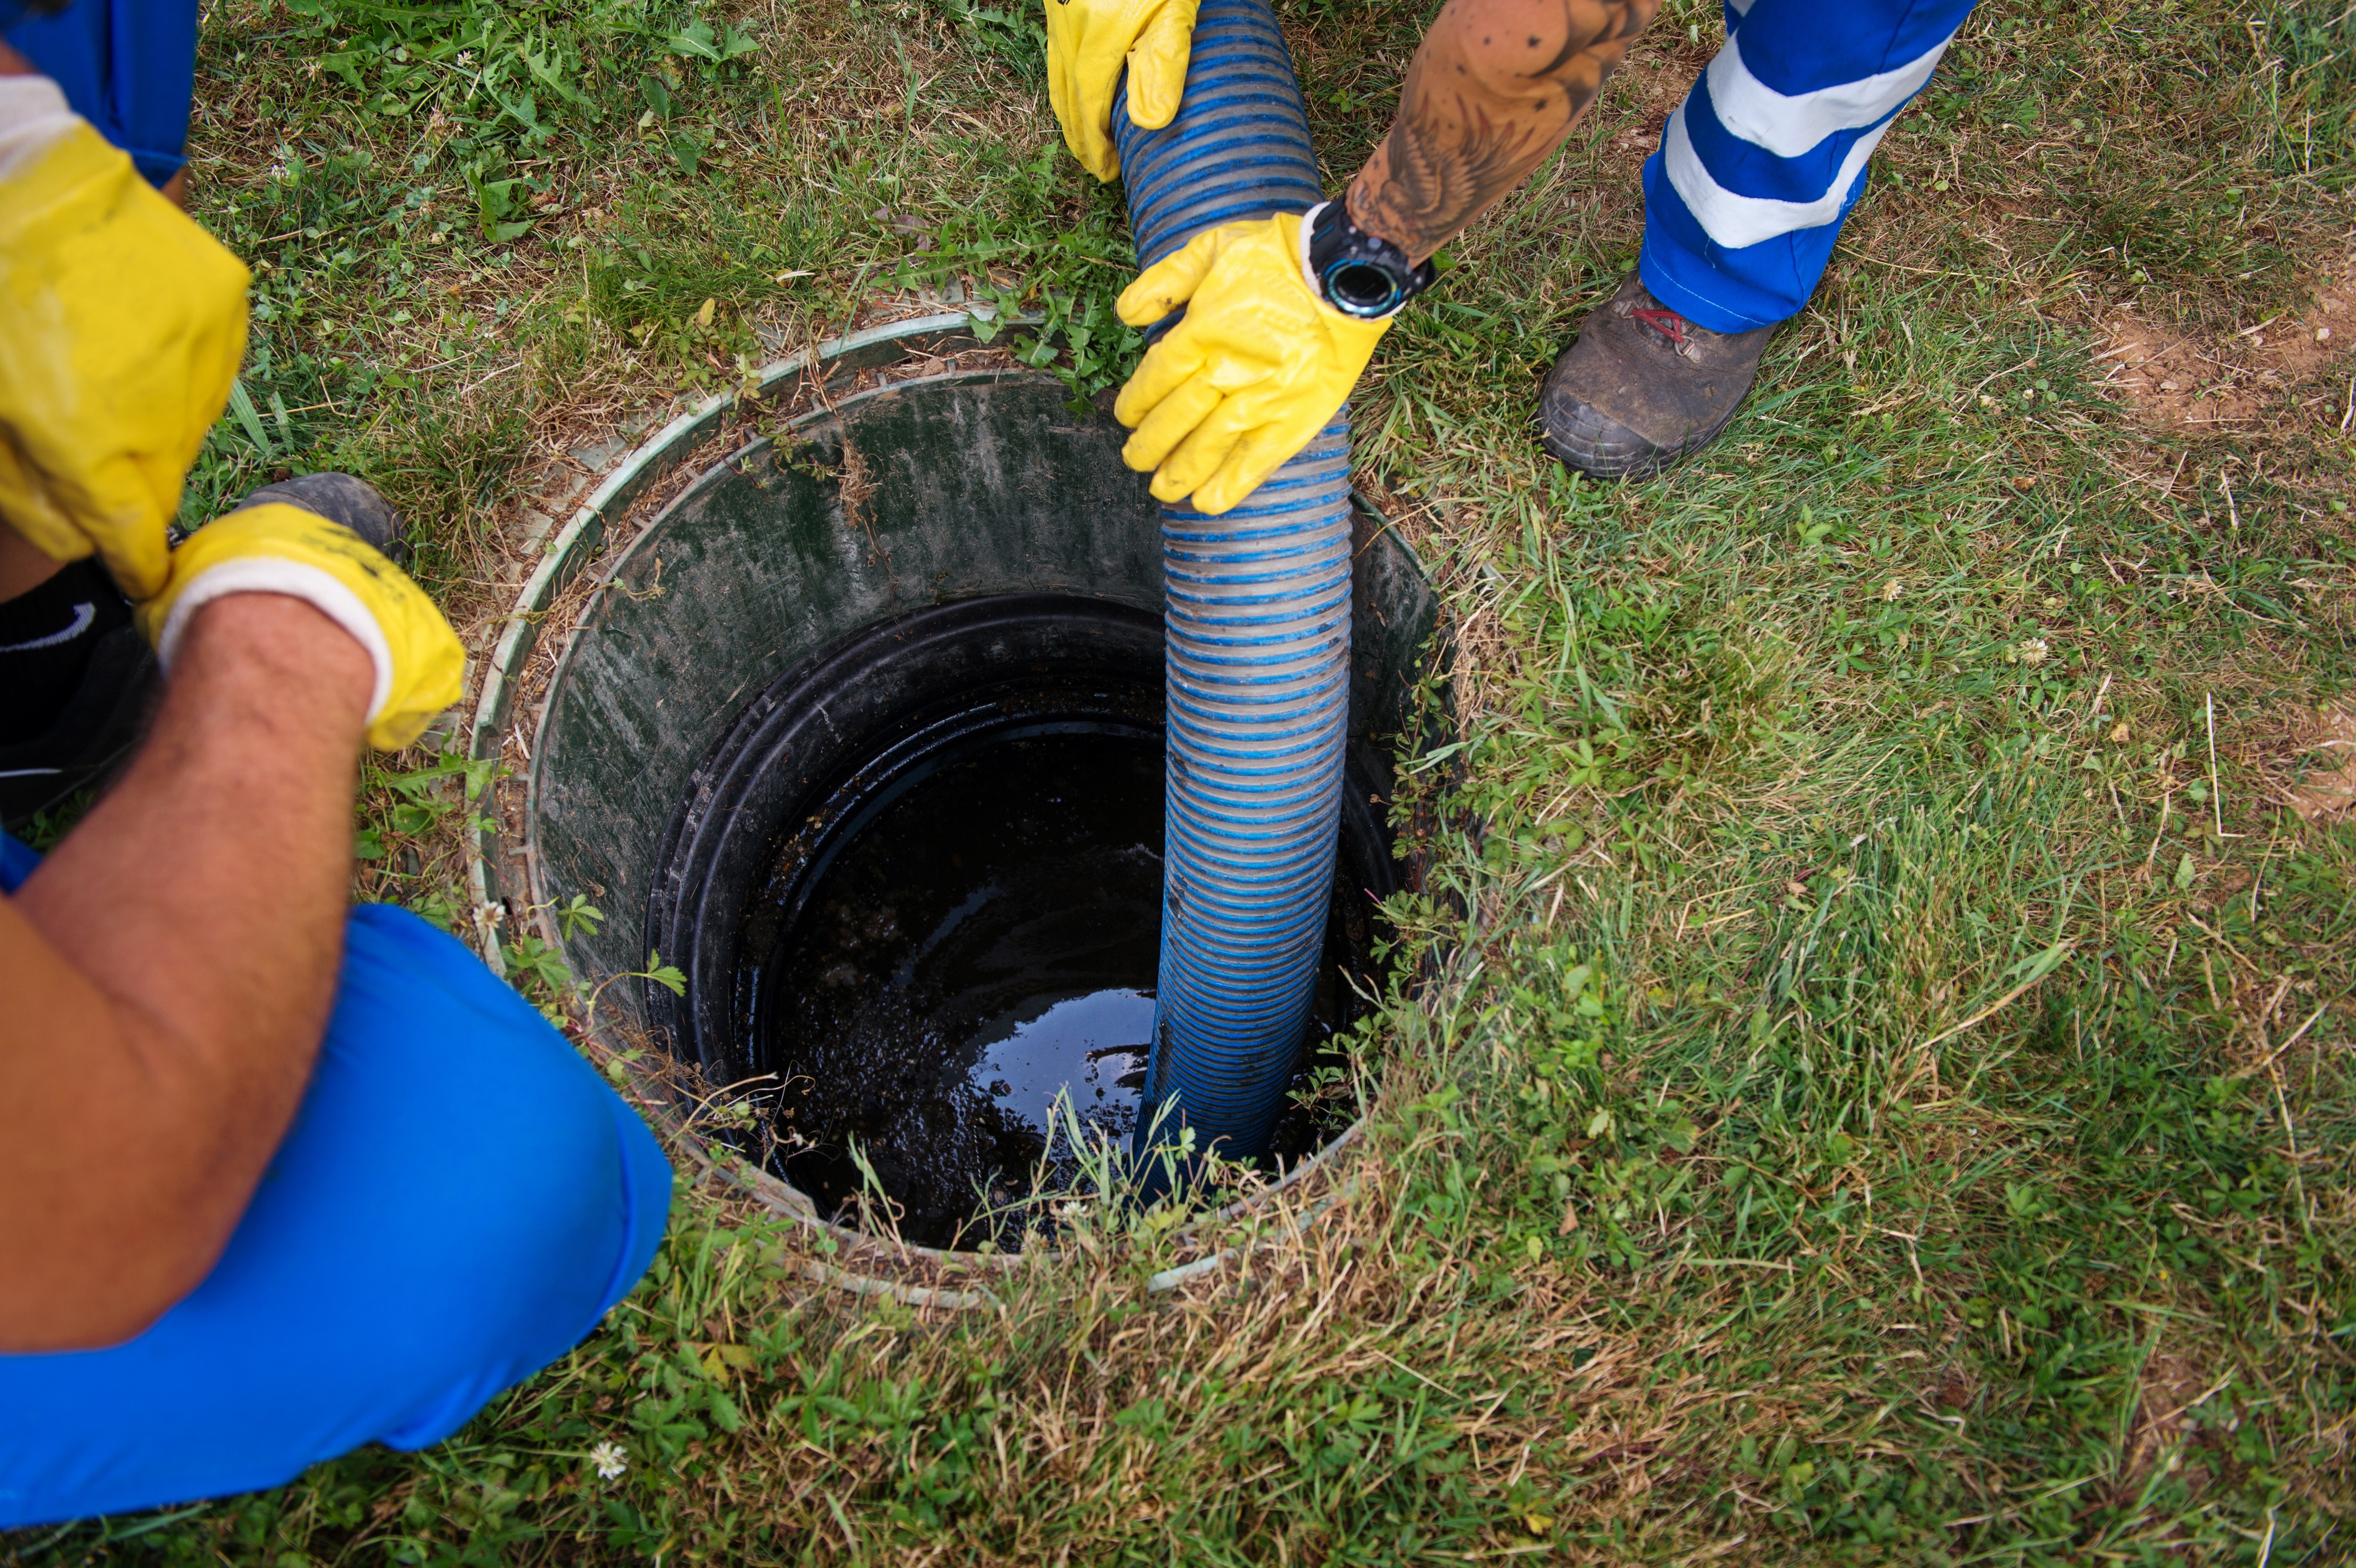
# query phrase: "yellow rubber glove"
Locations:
[[122, 323], [1251, 374], [1089, 44], [278, 548]]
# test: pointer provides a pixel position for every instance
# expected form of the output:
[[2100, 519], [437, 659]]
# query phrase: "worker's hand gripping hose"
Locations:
[[1257, 610], [278, 548], [1089, 43], [1255, 368], [122, 323]]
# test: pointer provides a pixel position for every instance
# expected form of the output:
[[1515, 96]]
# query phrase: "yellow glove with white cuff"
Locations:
[[122, 323], [1089, 44], [1248, 379], [278, 548]]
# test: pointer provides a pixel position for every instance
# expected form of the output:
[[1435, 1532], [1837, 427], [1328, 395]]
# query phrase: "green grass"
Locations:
[[1878, 1089]]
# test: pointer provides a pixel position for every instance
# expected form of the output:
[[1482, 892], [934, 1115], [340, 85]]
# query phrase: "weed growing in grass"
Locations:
[[408, 821], [52, 823]]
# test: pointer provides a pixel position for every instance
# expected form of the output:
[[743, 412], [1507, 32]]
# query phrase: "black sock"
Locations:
[[46, 639]]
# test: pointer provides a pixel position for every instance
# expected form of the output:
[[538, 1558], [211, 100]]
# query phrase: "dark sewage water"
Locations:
[[980, 936]]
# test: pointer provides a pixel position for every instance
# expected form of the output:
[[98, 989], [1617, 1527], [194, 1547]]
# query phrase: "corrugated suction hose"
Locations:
[[1257, 617]]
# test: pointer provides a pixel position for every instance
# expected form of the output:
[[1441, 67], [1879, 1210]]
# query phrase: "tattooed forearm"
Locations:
[[1493, 89]]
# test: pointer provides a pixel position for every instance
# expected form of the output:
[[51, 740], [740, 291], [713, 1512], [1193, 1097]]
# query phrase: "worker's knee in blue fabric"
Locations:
[[514, 1198], [459, 1200]]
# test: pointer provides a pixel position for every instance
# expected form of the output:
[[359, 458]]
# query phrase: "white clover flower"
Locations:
[[609, 1459], [2034, 651]]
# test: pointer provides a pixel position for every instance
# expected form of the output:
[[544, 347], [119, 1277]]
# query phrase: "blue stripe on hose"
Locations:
[[1295, 816], [1239, 632], [1210, 839], [1261, 843], [1269, 738]]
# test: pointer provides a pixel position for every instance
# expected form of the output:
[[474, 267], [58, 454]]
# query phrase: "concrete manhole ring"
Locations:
[[561, 826]]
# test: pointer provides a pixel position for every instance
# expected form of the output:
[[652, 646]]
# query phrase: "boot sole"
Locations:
[[1603, 448]]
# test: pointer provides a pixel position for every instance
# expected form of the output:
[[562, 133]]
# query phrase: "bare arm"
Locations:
[[1494, 88], [168, 972]]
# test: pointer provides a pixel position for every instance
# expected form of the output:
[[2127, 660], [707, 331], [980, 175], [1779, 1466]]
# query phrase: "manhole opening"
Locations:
[[954, 914]]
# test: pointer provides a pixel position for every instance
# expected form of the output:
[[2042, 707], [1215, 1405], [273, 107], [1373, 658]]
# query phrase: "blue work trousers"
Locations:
[[128, 67], [1766, 155], [460, 1199]]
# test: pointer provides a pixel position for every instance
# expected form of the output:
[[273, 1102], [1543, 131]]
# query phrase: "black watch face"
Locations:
[[1362, 288]]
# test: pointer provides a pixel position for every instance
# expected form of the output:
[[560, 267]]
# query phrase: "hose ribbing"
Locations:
[[1258, 619]]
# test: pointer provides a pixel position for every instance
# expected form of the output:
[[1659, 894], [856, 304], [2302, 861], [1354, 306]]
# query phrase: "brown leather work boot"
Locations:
[[1643, 386], [341, 498]]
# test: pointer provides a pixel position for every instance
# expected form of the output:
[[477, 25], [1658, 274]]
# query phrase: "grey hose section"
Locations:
[[1258, 615]]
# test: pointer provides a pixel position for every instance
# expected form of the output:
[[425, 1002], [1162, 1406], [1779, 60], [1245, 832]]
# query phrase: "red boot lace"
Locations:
[[1667, 322]]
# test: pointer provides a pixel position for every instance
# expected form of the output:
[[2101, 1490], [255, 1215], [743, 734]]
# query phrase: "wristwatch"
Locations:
[[1358, 273]]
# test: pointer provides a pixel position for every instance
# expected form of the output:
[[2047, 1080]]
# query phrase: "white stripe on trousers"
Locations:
[[1789, 124], [1735, 221]]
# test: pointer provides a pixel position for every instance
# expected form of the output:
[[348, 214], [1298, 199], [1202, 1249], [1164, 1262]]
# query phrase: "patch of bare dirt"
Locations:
[[1636, 104], [2203, 381], [2171, 1385], [2326, 792]]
